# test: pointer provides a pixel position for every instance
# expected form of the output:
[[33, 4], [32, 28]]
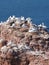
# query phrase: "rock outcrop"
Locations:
[[23, 43]]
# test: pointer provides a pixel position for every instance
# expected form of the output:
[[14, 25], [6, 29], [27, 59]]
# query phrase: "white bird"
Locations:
[[9, 18], [15, 49], [24, 26], [44, 56], [4, 49], [22, 18], [32, 29], [1, 23], [10, 50], [13, 25], [28, 19], [18, 20], [26, 47], [20, 46], [1, 40], [10, 43], [13, 17], [42, 25]]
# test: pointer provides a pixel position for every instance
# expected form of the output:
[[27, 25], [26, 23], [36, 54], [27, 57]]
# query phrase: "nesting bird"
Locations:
[[42, 26], [28, 19], [33, 29], [10, 43], [4, 49]]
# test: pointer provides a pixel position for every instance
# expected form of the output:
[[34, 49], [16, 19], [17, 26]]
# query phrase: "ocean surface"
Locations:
[[38, 10]]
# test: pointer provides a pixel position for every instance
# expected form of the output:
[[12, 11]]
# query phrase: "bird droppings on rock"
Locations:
[[23, 43]]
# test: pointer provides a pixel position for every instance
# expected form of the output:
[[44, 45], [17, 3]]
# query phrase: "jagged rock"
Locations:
[[23, 43]]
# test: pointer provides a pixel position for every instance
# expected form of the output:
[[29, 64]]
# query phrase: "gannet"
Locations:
[[18, 20], [24, 26], [1, 23], [4, 49], [1, 40], [28, 19], [33, 29], [22, 18], [42, 25]]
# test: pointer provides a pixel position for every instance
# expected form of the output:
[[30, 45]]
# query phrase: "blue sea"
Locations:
[[38, 10]]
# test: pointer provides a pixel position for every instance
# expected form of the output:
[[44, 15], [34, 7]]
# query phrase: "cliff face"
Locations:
[[23, 43]]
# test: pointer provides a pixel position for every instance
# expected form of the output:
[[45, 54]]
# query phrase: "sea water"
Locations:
[[38, 10]]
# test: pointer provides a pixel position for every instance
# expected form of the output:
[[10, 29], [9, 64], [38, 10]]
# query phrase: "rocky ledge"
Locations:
[[23, 43]]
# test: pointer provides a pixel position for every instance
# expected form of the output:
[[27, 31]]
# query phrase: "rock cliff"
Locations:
[[23, 42]]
